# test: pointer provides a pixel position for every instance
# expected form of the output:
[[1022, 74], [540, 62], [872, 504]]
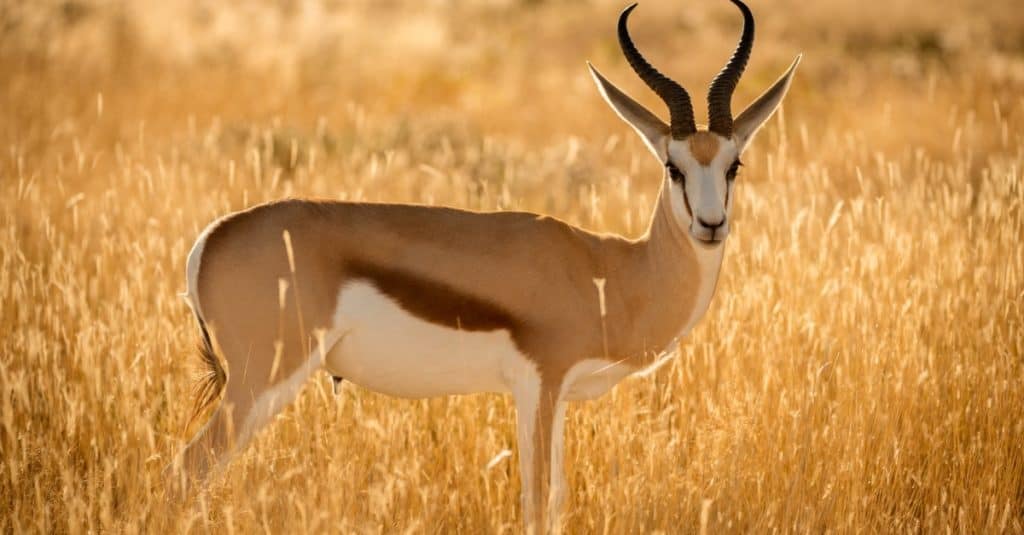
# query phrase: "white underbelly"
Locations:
[[384, 348]]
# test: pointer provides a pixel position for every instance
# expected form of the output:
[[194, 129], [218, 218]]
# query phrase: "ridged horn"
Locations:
[[680, 108], [722, 87]]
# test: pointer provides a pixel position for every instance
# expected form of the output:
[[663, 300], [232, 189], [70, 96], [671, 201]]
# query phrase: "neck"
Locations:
[[663, 291]]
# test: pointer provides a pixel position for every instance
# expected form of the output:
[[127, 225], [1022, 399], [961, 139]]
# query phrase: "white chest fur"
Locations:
[[385, 348], [710, 263], [592, 378]]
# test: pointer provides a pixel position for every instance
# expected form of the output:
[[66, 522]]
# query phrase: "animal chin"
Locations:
[[706, 243]]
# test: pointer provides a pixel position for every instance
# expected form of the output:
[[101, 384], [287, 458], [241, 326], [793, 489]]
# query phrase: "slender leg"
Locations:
[[527, 401], [250, 402], [559, 485], [213, 442], [536, 410]]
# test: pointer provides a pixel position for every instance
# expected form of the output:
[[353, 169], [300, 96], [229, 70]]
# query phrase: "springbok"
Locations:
[[422, 301]]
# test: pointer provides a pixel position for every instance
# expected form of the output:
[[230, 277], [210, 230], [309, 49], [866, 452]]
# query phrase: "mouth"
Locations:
[[707, 243]]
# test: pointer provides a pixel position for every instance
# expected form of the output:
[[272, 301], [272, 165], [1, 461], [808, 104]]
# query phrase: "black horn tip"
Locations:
[[740, 5], [720, 93], [674, 96], [625, 13]]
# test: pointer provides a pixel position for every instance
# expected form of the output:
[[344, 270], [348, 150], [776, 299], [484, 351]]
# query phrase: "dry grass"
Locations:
[[861, 368]]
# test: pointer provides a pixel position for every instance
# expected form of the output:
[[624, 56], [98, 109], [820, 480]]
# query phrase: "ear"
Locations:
[[652, 130], [748, 122]]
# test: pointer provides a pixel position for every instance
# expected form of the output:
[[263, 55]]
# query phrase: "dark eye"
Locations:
[[674, 173], [733, 169]]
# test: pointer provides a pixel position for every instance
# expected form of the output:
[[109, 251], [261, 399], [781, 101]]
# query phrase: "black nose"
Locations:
[[712, 226]]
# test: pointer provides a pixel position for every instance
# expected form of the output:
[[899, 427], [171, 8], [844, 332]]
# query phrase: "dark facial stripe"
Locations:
[[672, 169], [433, 301], [686, 200]]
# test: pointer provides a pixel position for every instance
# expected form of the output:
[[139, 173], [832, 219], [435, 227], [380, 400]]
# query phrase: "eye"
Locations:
[[674, 173], [733, 170]]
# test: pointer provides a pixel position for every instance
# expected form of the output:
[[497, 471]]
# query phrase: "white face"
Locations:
[[700, 176], [700, 170]]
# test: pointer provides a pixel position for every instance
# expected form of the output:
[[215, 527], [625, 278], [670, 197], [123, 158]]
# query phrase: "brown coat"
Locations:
[[532, 275]]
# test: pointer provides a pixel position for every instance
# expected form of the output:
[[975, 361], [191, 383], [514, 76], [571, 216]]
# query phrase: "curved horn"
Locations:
[[720, 92], [680, 108]]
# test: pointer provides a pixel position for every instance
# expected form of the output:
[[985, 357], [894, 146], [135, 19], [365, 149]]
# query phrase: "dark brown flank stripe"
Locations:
[[433, 301]]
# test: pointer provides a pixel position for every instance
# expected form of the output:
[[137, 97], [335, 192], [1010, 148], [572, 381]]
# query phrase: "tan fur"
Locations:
[[532, 275], [544, 280], [704, 147]]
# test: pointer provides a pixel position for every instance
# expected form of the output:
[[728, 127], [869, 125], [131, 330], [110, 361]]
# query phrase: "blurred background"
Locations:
[[861, 367], [501, 64]]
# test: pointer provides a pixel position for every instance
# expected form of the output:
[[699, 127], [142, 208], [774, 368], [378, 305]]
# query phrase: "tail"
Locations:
[[210, 385]]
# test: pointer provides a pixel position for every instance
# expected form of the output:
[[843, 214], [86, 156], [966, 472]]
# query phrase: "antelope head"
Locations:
[[700, 164]]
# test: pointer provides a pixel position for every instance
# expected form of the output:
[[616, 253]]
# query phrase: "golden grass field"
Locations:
[[861, 369]]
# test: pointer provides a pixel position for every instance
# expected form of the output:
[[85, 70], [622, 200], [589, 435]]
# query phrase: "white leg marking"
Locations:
[[270, 402], [587, 379], [525, 385], [559, 484]]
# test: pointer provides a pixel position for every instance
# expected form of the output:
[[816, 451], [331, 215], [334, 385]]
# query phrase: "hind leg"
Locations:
[[251, 399], [211, 444]]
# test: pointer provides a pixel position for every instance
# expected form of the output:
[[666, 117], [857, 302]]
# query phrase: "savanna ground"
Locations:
[[861, 368]]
